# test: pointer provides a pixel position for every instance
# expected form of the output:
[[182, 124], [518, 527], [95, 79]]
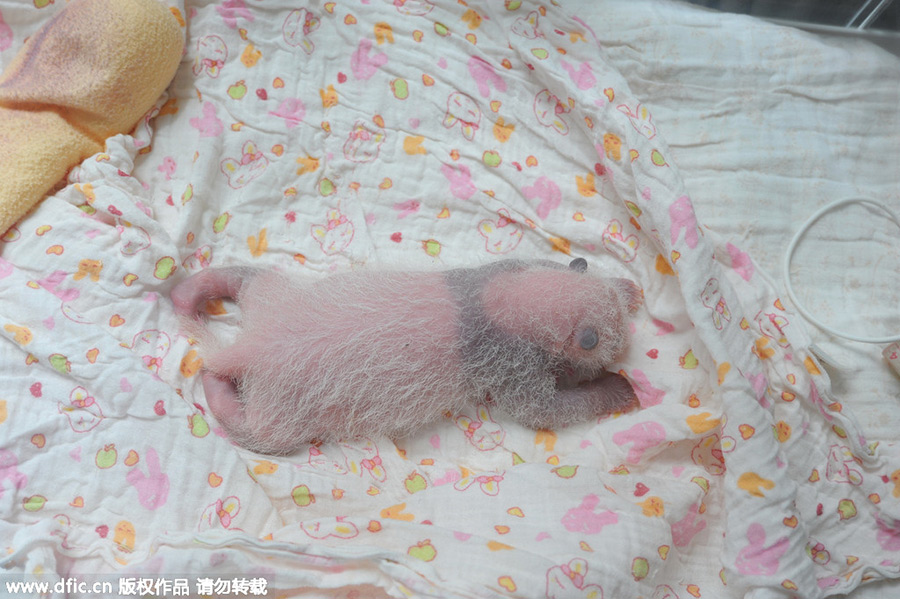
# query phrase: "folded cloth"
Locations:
[[91, 72]]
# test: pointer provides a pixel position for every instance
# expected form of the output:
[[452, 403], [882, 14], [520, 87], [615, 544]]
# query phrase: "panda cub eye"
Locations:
[[588, 339]]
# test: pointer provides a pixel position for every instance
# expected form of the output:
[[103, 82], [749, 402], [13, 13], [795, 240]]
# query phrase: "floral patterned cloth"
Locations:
[[321, 136]]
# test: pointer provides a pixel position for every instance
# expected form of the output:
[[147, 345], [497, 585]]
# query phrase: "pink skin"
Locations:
[[189, 299], [221, 396], [276, 319], [383, 352]]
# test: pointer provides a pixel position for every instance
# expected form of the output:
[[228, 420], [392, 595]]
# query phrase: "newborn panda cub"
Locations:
[[381, 352]]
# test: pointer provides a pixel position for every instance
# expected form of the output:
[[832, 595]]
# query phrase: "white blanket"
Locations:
[[318, 137]]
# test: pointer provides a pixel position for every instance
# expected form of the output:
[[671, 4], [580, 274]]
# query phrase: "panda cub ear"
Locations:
[[578, 264]]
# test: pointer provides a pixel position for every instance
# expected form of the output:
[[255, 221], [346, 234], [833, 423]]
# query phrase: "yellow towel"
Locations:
[[91, 72]]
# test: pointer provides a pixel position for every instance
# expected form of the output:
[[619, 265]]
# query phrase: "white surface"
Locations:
[[768, 124], [691, 485]]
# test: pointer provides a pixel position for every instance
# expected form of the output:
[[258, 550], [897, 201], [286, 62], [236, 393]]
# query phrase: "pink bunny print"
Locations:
[[328, 527], [320, 461], [6, 35], [567, 581], [708, 453], [647, 394], [153, 346], [6, 269], [482, 432], [757, 559], [888, 535], [211, 55], [460, 179], [363, 142], [220, 513], [527, 26], [240, 171], [843, 466], [501, 236], [682, 215], [10, 472], [82, 411], [642, 436], [485, 76], [335, 235], [640, 119], [364, 64], [292, 110], [582, 77], [297, 27], [712, 299], [549, 111], [152, 488], [463, 110], [616, 243], [548, 194], [772, 326], [198, 260], [684, 531], [741, 262], [232, 10], [489, 483], [583, 519], [414, 8], [364, 459]]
